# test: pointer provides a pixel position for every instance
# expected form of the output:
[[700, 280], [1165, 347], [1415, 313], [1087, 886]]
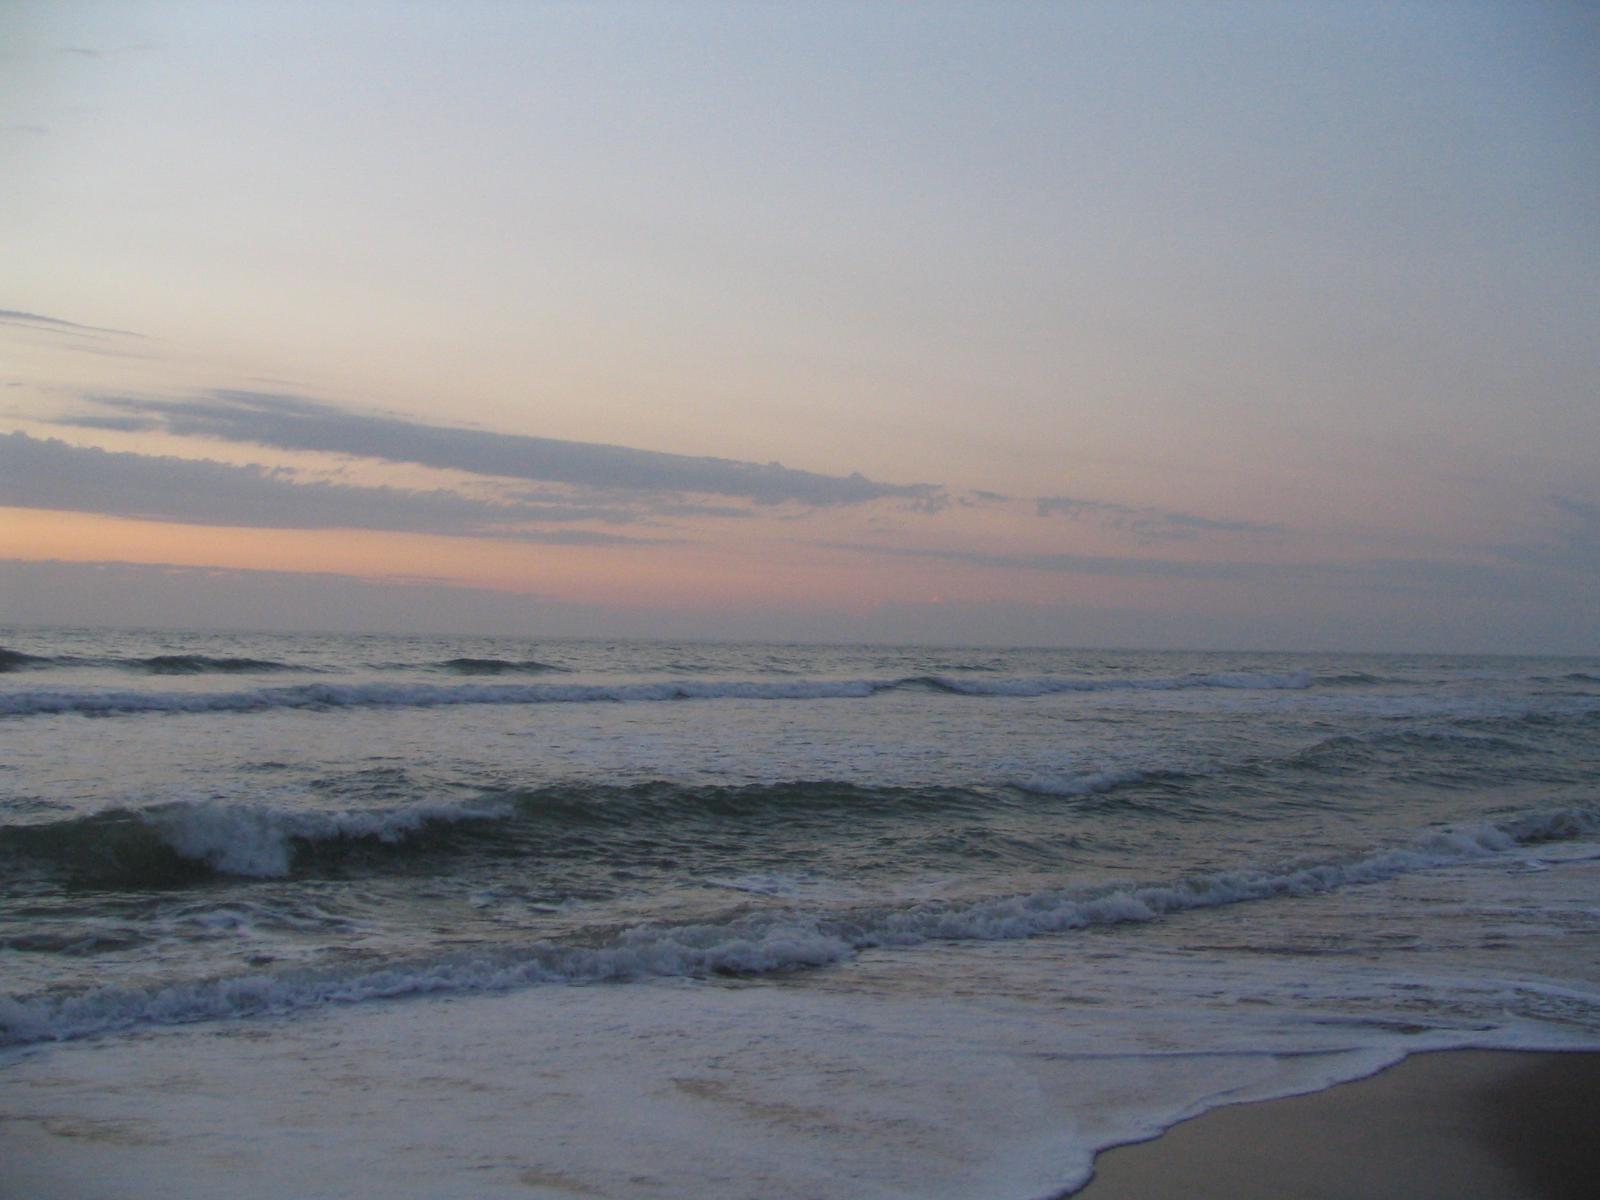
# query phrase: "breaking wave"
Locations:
[[764, 942], [184, 841], [189, 841], [1092, 783]]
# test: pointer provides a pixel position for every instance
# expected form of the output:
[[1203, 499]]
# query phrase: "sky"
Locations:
[[1229, 325]]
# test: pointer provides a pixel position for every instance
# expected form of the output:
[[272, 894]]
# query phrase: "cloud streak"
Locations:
[[1085, 564], [1574, 544], [291, 422], [1148, 524], [28, 320], [1409, 576], [171, 596], [50, 474]]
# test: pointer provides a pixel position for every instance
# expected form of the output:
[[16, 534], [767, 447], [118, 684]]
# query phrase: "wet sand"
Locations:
[[1459, 1124]]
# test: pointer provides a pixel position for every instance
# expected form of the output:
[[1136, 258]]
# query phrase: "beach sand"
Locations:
[[1459, 1124]]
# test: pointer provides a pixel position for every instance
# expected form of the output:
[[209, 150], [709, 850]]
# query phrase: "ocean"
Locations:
[[857, 920]]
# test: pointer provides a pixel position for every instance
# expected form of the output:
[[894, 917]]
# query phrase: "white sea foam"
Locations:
[[241, 838], [762, 943], [887, 1084], [1086, 783]]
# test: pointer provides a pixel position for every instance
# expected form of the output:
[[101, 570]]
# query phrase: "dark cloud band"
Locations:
[[288, 422], [50, 474]]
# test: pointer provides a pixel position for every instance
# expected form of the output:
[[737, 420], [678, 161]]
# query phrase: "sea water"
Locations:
[[1014, 904]]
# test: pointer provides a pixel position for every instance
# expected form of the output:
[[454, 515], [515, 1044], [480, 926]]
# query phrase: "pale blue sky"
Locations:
[[1324, 270]]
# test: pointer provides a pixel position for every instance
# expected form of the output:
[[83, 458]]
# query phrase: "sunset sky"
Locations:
[[1216, 325]]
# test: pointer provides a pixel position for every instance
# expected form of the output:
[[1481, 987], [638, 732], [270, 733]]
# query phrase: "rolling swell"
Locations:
[[772, 940], [202, 664], [155, 664], [648, 823], [498, 666], [110, 849], [172, 845], [187, 842], [206, 664], [327, 696], [16, 660], [1481, 753], [1052, 685]]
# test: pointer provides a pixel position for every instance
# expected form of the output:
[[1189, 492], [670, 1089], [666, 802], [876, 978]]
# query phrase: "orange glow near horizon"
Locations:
[[89, 537], [690, 575]]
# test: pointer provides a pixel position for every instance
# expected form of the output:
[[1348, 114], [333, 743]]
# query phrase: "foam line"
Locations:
[[764, 942]]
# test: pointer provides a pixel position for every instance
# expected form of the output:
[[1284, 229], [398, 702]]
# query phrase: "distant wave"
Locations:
[[1356, 679], [1053, 684], [199, 664], [409, 695], [497, 666], [768, 941], [1441, 755], [416, 695], [15, 660], [1430, 741], [157, 664]]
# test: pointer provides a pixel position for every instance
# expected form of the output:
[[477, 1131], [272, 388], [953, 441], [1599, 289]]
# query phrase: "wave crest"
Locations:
[[178, 843], [765, 942]]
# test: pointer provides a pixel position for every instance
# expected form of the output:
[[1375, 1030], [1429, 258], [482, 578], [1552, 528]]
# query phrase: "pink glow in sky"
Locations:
[[1184, 325]]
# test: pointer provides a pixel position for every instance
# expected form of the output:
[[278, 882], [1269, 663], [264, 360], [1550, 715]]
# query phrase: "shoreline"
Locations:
[[1467, 1124], [723, 1091], [960, 1070]]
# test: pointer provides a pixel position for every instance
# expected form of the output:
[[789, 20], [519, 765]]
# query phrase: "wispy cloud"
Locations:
[[1580, 533], [95, 52], [1148, 524], [1084, 564], [11, 316], [292, 422], [1409, 576], [164, 595], [50, 474], [1573, 544]]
